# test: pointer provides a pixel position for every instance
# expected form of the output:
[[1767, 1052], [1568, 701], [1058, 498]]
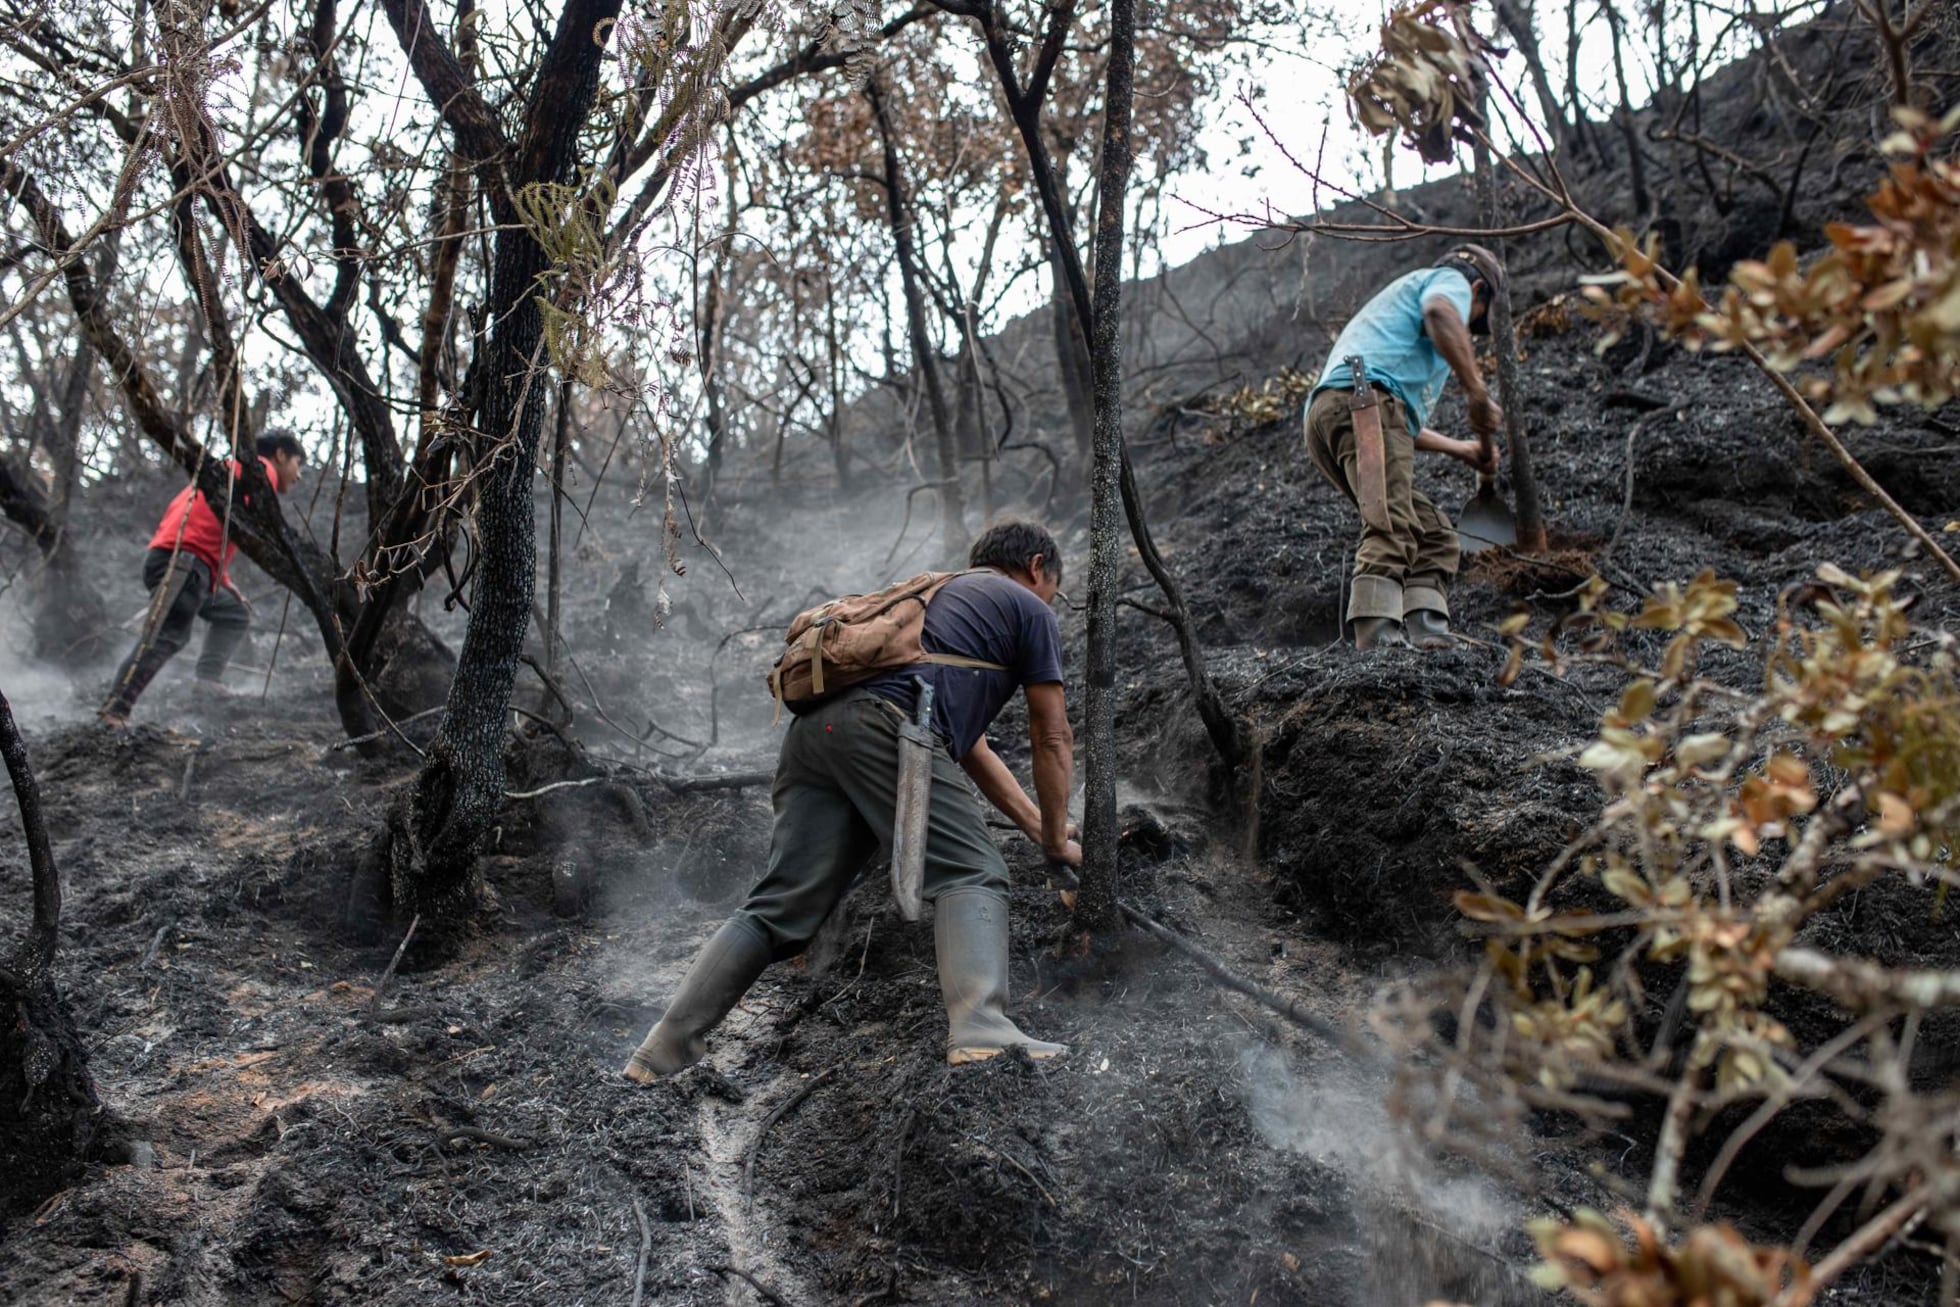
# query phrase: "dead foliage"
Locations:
[[1276, 398], [1880, 308], [1422, 82], [1733, 822]]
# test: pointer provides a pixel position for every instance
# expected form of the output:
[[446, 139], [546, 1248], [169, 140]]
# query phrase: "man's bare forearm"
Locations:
[[1054, 777], [998, 786]]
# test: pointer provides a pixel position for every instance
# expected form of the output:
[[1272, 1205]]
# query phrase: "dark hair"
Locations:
[[1011, 543], [275, 443]]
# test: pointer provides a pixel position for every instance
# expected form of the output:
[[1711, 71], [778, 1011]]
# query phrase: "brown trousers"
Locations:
[[1408, 567]]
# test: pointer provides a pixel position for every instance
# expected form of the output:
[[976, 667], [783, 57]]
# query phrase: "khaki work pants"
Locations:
[[1409, 567]]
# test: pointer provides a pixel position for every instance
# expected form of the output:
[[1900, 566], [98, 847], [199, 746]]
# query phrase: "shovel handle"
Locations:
[[1486, 475]]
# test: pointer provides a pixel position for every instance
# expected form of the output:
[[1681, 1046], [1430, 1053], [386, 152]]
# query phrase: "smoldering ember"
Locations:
[[980, 652]]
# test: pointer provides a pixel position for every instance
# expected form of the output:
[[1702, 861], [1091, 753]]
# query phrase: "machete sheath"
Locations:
[[1371, 460], [914, 804]]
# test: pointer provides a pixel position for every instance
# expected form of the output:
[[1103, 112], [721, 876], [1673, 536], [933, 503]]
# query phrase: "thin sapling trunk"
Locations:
[[1095, 904]]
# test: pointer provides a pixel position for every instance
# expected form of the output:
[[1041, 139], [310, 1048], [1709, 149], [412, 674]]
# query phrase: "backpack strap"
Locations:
[[961, 660]]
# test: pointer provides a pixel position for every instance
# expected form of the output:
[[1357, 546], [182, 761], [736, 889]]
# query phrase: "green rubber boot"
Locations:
[[970, 935], [723, 971], [1379, 633], [1429, 629]]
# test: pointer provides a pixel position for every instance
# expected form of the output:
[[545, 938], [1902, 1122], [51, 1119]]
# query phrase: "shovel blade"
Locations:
[[1486, 523]]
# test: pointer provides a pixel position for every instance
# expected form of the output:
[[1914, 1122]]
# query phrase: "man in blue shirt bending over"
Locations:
[[834, 806], [1412, 336]]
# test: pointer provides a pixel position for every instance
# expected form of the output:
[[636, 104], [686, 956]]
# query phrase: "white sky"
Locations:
[[1298, 86]]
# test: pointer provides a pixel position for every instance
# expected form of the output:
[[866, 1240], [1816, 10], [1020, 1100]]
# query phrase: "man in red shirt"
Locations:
[[185, 572]]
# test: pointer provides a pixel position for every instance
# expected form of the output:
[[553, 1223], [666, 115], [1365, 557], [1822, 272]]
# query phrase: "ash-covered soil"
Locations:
[[299, 1140], [464, 1136]]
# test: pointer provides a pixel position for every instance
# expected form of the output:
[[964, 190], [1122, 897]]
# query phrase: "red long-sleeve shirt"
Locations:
[[203, 530]]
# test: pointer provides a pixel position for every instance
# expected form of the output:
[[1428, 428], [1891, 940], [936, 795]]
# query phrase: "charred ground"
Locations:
[[295, 1138], [307, 1144]]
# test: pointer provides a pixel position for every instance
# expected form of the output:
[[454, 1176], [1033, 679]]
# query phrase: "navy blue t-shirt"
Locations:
[[994, 618]]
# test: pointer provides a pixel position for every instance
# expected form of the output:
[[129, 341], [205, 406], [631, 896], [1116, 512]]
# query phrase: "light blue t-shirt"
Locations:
[[1388, 334]]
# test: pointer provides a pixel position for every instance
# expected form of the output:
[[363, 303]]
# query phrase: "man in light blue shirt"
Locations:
[[1412, 336]]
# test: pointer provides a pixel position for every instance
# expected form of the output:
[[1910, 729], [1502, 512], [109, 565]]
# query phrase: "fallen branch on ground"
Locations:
[[696, 784], [783, 1109], [768, 1294]]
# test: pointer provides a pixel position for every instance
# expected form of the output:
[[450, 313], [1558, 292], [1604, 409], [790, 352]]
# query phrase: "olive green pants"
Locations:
[[835, 796], [1409, 566]]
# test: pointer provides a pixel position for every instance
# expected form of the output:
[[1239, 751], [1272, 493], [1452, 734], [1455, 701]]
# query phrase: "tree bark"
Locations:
[[706, 512], [50, 1117], [1520, 20], [1072, 364], [1024, 103], [1524, 479], [834, 356], [1095, 904], [1636, 161], [71, 620], [561, 440], [429, 847], [952, 503]]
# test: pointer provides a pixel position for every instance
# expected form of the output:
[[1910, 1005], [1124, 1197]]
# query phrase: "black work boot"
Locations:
[[1379, 633], [970, 934], [723, 971], [1429, 629]]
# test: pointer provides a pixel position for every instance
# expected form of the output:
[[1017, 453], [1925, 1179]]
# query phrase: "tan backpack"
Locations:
[[848, 641]]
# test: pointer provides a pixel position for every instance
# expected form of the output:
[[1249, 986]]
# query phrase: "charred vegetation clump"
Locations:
[[52, 1123]]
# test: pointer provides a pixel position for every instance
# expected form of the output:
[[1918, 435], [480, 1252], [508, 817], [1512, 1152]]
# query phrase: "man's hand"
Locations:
[[1472, 452], [1070, 856], [1432, 441]]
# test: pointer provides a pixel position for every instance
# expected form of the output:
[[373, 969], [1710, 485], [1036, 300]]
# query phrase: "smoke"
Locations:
[[1340, 1118], [40, 694]]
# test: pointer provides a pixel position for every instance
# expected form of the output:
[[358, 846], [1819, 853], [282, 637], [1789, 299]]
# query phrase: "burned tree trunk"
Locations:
[[427, 851], [708, 511], [1095, 905], [1524, 478], [50, 1118], [71, 621], [1024, 103], [1072, 363], [951, 502], [1521, 22]]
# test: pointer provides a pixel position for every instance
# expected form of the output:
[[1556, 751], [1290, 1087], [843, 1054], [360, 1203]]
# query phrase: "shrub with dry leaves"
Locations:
[[1423, 82], [1880, 307], [1732, 821]]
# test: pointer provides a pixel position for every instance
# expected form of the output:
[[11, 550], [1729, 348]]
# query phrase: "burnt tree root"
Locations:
[[51, 1122]]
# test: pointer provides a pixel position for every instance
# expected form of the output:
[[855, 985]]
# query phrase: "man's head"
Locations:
[[286, 455], [1486, 276], [1023, 550]]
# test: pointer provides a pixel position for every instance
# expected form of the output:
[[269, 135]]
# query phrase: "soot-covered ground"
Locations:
[[464, 1135]]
